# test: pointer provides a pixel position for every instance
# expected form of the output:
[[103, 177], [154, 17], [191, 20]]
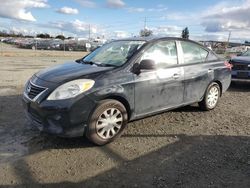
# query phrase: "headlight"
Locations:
[[71, 89]]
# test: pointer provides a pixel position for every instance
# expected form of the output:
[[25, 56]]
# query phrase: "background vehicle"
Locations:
[[241, 66], [72, 46], [121, 81]]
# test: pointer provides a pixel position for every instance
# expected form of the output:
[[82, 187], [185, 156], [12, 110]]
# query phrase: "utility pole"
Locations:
[[229, 36], [228, 39], [89, 31], [145, 23]]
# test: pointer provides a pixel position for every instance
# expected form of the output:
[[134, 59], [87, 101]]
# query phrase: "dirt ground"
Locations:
[[181, 148]]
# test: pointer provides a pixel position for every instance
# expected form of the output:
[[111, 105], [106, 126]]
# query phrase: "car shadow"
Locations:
[[191, 161], [190, 108]]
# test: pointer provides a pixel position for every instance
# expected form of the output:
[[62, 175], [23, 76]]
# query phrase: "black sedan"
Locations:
[[241, 67], [122, 81]]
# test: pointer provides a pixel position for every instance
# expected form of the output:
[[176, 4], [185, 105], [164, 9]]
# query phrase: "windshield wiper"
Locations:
[[98, 64], [90, 63], [108, 65]]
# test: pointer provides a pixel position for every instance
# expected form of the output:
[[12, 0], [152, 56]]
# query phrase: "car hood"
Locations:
[[242, 59], [69, 71]]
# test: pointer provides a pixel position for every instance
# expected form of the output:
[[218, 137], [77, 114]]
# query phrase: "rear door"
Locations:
[[197, 72], [163, 87]]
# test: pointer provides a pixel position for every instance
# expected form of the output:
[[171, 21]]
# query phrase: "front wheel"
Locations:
[[107, 122], [211, 97]]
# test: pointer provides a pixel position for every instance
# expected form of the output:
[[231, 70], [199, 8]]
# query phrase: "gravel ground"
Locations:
[[181, 148]]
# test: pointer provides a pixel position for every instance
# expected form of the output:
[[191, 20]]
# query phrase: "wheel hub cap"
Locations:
[[109, 123], [213, 97]]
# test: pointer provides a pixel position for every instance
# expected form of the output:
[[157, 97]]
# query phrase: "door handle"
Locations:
[[176, 76]]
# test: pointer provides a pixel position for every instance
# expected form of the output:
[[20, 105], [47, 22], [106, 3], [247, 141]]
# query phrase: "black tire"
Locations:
[[104, 105], [204, 104]]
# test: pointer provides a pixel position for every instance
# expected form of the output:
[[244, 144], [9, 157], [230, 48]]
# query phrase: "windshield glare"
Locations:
[[247, 53], [114, 53]]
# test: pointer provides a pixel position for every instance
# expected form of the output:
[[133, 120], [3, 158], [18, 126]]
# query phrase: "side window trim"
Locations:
[[208, 52], [180, 54]]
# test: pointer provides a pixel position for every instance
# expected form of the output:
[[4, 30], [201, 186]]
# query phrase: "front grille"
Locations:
[[34, 90], [240, 66]]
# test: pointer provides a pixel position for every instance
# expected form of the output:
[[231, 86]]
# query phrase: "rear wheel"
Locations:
[[107, 122], [211, 97]]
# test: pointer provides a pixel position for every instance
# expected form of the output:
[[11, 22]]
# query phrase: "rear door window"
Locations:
[[193, 53]]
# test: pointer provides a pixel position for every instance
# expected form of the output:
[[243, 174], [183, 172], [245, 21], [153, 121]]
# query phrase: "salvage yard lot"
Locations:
[[181, 148]]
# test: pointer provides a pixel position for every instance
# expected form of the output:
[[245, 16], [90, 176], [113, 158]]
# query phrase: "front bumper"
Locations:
[[66, 118]]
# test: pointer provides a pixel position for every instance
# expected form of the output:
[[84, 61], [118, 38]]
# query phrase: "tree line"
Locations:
[[41, 35]]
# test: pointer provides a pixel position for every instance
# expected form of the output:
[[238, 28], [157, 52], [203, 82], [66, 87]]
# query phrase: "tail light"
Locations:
[[228, 65]]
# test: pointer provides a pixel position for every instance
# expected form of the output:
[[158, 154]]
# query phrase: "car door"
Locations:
[[162, 87], [197, 72]]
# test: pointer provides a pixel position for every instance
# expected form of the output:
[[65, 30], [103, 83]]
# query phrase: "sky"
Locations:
[[206, 20]]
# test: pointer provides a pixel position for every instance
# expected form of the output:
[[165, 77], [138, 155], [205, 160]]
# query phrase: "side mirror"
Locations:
[[239, 54], [147, 64]]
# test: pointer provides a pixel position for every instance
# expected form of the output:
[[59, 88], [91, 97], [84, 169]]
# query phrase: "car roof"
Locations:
[[153, 38], [157, 38]]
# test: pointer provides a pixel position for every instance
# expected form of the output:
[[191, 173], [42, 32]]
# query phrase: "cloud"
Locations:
[[76, 27], [120, 34], [134, 9], [86, 3], [24, 31], [18, 9], [67, 10], [226, 16], [115, 3], [177, 16], [210, 36], [159, 8], [214, 23], [167, 30]]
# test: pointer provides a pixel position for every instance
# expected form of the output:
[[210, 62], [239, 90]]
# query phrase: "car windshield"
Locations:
[[247, 53], [115, 53]]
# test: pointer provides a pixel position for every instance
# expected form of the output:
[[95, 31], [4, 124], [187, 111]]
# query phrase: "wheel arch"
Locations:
[[214, 81], [121, 100], [220, 85]]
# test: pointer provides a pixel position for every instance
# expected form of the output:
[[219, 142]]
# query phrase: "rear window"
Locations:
[[193, 53]]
